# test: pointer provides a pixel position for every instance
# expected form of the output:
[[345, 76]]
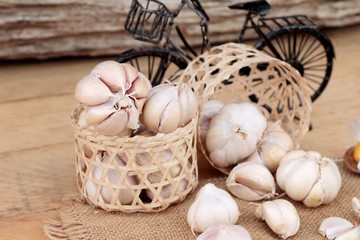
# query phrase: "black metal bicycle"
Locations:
[[294, 39]]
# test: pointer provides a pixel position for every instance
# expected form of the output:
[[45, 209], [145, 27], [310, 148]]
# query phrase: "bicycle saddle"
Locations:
[[261, 7]]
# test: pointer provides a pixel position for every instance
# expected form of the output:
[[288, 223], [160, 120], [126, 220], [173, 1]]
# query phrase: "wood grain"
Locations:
[[45, 29], [36, 146]]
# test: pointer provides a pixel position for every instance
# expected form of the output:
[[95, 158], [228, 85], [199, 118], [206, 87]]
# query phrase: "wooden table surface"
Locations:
[[37, 169]]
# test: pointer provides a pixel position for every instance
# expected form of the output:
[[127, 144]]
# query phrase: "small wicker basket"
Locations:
[[154, 185], [236, 72]]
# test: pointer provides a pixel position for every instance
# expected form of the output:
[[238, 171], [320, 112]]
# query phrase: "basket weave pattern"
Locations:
[[236, 72], [153, 179]]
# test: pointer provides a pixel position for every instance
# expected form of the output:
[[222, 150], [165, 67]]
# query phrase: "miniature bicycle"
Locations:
[[294, 39]]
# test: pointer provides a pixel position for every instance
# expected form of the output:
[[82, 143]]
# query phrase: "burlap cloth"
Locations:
[[81, 221]]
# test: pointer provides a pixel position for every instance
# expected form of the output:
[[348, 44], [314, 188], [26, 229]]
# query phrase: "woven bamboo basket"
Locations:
[[236, 72], [135, 174]]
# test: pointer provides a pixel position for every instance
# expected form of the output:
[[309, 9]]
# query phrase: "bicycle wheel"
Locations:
[[156, 63], [306, 49]]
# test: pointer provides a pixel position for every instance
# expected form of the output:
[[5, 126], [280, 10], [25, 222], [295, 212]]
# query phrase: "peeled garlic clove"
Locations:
[[91, 91], [212, 206], [225, 232], [98, 113], [332, 227], [210, 109], [251, 182], [112, 74], [114, 124], [281, 216], [352, 234], [234, 132], [355, 203]]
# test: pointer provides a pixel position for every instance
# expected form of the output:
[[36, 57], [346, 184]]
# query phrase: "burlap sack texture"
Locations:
[[80, 221]]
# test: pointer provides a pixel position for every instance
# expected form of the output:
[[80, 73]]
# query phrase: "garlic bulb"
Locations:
[[309, 177], [114, 95], [210, 109], [272, 147], [212, 206], [352, 234], [355, 203], [333, 227], [251, 181], [234, 132], [169, 106], [281, 216], [225, 232], [169, 190], [111, 177]]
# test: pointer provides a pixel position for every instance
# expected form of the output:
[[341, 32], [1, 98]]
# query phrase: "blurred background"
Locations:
[[43, 29]]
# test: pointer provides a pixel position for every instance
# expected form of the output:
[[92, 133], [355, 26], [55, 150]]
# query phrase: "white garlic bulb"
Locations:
[[225, 232], [272, 147], [112, 177], [333, 227], [169, 106], [281, 216], [114, 94], [210, 109], [251, 182], [309, 177], [212, 206], [234, 132]]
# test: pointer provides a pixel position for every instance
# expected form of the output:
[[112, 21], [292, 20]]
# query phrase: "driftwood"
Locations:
[[53, 28]]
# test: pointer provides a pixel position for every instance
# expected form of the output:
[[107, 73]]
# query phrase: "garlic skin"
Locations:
[[355, 203], [333, 227], [212, 206], [251, 182], [169, 106], [113, 177], [234, 132], [225, 232], [272, 147], [281, 216], [211, 108], [309, 177]]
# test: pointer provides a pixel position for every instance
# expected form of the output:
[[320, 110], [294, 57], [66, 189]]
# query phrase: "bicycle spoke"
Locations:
[[316, 67], [294, 45], [311, 49], [303, 41], [312, 79], [316, 58], [282, 46]]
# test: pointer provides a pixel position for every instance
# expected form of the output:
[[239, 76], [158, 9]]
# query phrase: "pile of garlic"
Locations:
[[118, 100]]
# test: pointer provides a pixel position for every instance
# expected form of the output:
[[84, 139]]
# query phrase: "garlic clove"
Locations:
[[170, 117], [91, 91], [352, 234], [332, 227], [281, 216], [251, 182], [355, 203], [225, 232], [131, 74], [112, 74], [212, 206], [98, 113], [114, 124], [139, 87]]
